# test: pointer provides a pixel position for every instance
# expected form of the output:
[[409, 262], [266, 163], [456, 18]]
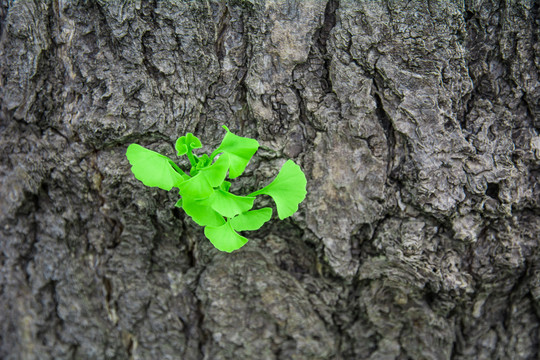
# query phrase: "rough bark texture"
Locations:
[[417, 124]]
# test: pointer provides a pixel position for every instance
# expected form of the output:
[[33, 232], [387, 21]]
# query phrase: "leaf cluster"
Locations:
[[205, 194]]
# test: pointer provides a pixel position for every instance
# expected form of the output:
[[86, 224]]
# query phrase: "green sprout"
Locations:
[[205, 195]]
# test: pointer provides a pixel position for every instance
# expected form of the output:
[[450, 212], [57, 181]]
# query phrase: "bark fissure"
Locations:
[[390, 135], [4, 7], [322, 38], [221, 28]]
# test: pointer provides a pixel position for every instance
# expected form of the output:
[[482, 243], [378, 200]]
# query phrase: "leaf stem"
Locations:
[[191, 157], [178, 170], [214, 154]]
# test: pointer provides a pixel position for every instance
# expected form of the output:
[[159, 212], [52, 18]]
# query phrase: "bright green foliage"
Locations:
[[288, 189], [224, 237], [185, 145], [202, 185], [240, 151], [230, 205], [251, 220], [154, 169], [201, 211], [205, 195]]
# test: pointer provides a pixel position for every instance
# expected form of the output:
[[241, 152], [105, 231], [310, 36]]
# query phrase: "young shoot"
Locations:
[[204, 193]]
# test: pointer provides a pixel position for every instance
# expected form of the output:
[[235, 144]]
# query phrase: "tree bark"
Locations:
[[417, 125]]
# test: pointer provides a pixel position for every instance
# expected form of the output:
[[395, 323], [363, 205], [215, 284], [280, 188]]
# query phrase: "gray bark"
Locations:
[[417, 125]]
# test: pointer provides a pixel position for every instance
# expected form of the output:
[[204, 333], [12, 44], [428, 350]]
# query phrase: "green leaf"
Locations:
[[240, 150], [251, 220], [154, 169], [201, 185], [201, 212], [202, 162], [230, 205], [225, 186], [184, 144], [216, 172], [288, 189], [224, 238], [198, 187]]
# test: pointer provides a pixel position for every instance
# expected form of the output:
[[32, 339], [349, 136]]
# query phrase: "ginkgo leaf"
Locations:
[[202, 162], [225, 186], [230, 205], [288, 189], [153, 169], [198, 187], [205, 195], [224, 238], [201, 185], [187, 143], [240, 151], [216, 172], [200, 212], [251, 220]]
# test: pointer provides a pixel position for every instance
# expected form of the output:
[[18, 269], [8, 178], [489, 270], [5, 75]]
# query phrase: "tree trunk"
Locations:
[[417, 125]]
